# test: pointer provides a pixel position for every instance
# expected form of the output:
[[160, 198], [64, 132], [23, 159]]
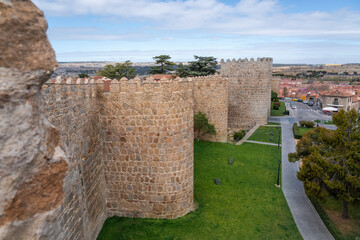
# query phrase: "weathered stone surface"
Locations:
[[32, 164], [249, 91], [23, 41], [211, 97], [148, 149], [75, 110]]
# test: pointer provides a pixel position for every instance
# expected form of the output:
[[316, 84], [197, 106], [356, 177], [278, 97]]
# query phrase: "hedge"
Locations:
[[297, 135]]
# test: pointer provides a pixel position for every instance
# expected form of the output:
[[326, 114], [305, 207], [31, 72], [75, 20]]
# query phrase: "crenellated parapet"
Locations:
[[249, 91]]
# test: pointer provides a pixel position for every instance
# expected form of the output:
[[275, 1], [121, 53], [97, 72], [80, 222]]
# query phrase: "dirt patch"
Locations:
[[345, 226], [43, 193]]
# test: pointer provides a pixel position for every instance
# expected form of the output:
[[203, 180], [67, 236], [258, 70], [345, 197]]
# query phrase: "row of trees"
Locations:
[[203, 66], [331, 160]]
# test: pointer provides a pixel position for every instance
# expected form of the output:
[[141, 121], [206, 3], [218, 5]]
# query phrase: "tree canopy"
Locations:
[[202, 126], [203, 66], [165, 65], [83, 75], [274, 95], [118, 71], [331, 160]]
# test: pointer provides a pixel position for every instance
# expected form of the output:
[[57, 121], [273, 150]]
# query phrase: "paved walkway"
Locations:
[[264, 143], [306, 218], [248, 134]]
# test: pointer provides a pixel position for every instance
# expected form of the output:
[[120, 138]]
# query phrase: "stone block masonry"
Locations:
[[211, 97], [74, 108], [249, 91], [148, 148]]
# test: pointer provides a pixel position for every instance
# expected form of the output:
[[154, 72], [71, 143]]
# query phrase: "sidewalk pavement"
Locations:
[[306, 218]]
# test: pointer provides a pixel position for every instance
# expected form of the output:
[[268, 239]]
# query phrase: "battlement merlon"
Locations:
[[231, 67], [137, 85], [128, 85], [265, 59]]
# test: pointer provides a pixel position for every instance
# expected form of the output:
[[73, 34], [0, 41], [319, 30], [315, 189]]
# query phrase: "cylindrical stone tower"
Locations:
[[249, 91], [148, 150]]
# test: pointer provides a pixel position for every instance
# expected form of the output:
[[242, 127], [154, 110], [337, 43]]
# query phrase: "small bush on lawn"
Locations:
[[309, 124], [277, 104], [239, 135], [286, 112], [297, 135], [276, 107]]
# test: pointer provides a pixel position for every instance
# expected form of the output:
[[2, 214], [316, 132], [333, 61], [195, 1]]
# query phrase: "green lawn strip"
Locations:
[[336, 206], [279, 112], [325, 122], [262, 134], [273, 123], [303, 130], [246, 205]]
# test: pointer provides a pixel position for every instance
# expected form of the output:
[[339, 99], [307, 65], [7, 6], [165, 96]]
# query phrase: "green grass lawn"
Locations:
[[262, 134], [246, 205], [303, 130], [341, 229], [326, 122], [273, 123], [279, 112]]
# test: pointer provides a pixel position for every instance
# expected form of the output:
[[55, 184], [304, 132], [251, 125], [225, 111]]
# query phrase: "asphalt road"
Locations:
[[304, 112]]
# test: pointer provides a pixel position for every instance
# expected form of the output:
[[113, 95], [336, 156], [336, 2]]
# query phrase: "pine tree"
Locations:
[[331, 160], [118, 71], [165, 65]]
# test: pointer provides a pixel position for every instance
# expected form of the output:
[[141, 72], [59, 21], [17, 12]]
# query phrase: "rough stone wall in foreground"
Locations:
[[148, 151], [211, 97], [249, 91], [32, 163], [75, 111]]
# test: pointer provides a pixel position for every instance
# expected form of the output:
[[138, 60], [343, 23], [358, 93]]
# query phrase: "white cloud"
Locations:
[[247, 17]]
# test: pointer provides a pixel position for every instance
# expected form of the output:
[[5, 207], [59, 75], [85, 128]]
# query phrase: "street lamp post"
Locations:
[[277, 127]]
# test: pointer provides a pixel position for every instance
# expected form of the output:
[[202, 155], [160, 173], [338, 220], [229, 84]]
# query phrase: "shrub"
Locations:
[[297, 135], [239, 135], [309, 124], [202, 126], [286, 112], [277, 104], [302, 123], [276, 107]]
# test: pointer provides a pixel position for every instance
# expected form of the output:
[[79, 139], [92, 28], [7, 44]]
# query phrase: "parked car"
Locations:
[[294, 99], [293, 106], [310, 103], [306, 102], [299, 100]]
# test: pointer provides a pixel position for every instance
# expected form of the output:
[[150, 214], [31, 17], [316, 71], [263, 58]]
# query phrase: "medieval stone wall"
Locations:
[[275, 84], [148, 150], [211, 97], [74, 109], [249, 91]]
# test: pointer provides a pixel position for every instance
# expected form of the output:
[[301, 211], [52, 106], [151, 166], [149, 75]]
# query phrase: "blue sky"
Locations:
[[290, 31]]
